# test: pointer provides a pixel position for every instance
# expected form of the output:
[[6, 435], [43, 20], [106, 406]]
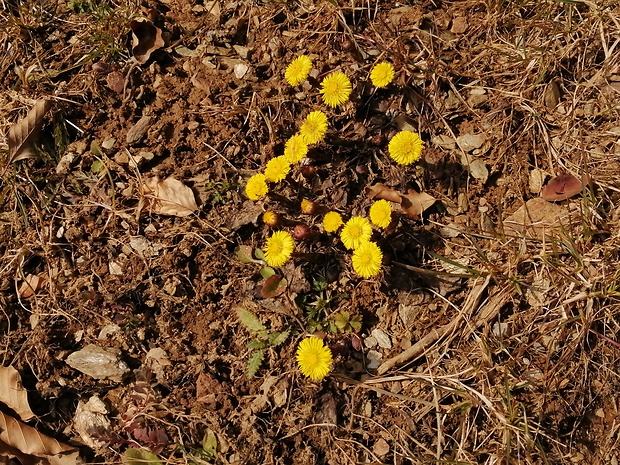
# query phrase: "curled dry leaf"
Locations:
[[31, 285], [25, 442], [145, 39], [25, 132], [538, 218], [412, 204], [169, 197], [563, 187], [13, 394]]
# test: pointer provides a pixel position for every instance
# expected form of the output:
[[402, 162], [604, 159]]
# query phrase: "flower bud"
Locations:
[[303, 233], [308, 207], [308, 171], [272, 219]]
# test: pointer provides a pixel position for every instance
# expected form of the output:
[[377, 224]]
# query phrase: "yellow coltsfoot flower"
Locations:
[[356, 231], [279, 248], [314, 127], [381, 213], [277, 168], [336, 89], [314, 358], [295, 149], [297, 71], [332, 222], [256, 187], [382, 74], [367, 259], [405, 147]]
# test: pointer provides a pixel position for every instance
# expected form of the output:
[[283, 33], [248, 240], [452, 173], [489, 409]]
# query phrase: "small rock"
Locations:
[[459, 25], [138, 131], [374, 359], [244, 52], [469, 142], [108, 330], [477, 97], [537, 176], [370, 342], [240, 70], [108, 143], [91, 423], [382, 338], [450, 231], [444, 141], [99, 363], [381, 447]]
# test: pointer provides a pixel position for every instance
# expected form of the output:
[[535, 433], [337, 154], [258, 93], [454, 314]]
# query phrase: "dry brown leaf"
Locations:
[[169, 197], [537, 218], [25, 132], [415, 203], [31, 285], [29, 441], [381, 191], [146, 38], [412, 204], [13, 394], [563, 187]]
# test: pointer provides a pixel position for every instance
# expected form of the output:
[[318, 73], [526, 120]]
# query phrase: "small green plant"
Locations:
[[316, 306], [263, 339], [219, 192], [272, 284]]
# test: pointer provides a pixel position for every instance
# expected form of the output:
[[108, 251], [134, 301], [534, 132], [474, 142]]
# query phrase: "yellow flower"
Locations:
[[271, 218], [382, 74], [356, 231], [332, 221], [381, 213], [336, 89], [314, 358], [277, 168], [295, 149], [314, 127], [367, 259], [405, 147], [256, 187], [298, 70], [279, 248]]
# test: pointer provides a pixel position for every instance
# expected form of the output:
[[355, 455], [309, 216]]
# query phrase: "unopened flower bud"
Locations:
[[272, 219], [308, 171], [308, 207], [303, 233]]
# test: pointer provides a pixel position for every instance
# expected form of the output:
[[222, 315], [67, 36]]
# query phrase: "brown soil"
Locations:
[[523, 367]]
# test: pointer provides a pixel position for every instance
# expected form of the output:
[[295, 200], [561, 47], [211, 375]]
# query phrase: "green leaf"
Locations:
[[273, 286], [277, 338], [259, 254], [209, 444], [250, 320], [136, 456], [267, 272], [341, 320], [257, 344], [254, 363], [356, 322], [244, 254], [97, 166]]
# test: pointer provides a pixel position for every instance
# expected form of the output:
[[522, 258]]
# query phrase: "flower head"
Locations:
[[405, 147], [356, 231], [382, 74], [314, 127], [279, 248], [271, 218], [295, 149], [314, 358], [308, 207], [367, 259], [256, 187], [277, 168], [298, 70], [336, 89], [332, 221], [381, 213]]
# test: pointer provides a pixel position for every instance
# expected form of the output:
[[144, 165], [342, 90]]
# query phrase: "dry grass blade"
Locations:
[[13, 394], [23, 134], [419, 347]]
